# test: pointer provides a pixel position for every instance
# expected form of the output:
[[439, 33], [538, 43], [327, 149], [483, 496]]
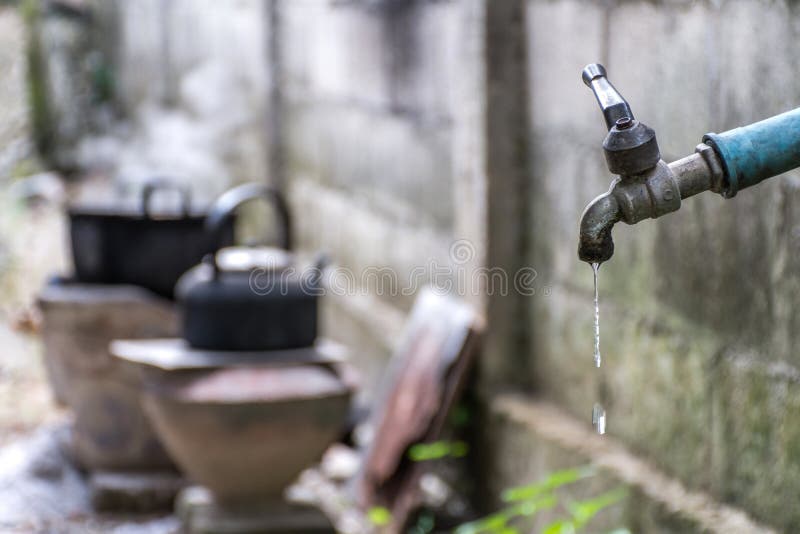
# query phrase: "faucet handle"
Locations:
[[611, 102], [630, 146]]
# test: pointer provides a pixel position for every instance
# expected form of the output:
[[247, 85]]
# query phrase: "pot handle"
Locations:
[[163, 184], [226, 205]]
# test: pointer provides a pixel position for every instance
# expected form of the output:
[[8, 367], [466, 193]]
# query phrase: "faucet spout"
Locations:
[[631, 199], [595, 244]]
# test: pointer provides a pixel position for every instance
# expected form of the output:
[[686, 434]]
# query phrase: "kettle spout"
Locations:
[[595, 244]]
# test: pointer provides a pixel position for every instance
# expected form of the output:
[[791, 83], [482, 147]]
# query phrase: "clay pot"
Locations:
[[246, 433]]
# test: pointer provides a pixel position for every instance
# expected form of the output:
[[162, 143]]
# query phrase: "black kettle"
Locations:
[[249, 298]]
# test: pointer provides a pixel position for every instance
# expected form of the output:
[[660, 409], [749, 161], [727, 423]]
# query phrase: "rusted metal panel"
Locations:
[[425, 380]]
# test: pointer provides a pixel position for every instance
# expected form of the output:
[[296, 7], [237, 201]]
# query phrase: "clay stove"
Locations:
[[110, 435], [242, 425]]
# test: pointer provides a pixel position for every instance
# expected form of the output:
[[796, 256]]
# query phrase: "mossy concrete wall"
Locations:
[[698, 309]]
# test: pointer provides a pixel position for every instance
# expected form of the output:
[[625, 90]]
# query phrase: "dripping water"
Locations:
[[599, 418], [597, 358], [598, 413]]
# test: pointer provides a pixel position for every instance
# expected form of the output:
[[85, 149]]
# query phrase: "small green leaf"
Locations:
[[379, 516], [551, 482], [490, 523], [561, 526], [422, 452], [583, 511], [532, 507]]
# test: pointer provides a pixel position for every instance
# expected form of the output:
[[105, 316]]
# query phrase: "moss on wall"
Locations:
[[41, 114]]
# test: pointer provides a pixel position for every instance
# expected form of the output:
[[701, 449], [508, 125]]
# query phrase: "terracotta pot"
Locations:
[[246, 433]]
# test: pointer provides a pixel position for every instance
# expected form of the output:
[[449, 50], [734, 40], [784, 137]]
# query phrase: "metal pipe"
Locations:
[[698, 172], [692, 173]]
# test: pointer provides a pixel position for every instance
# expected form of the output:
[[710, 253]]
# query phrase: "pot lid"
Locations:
[[276, 384], [249, 258], [174, 354]]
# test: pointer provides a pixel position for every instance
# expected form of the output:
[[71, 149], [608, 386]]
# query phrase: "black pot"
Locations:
[[140, 247], [260, 304]]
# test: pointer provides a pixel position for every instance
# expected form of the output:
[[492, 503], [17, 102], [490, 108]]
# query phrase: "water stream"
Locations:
[[597, 358], [598, 413]]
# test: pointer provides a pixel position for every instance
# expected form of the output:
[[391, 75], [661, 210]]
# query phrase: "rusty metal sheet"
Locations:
[[424, 381]]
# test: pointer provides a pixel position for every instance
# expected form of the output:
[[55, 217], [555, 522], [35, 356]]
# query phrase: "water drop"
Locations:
[[599, 418]]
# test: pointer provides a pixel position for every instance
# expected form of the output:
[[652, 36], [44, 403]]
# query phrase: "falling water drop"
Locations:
[[597, 359], [599, 418]]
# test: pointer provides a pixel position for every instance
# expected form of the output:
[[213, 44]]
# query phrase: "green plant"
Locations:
[[422, 452], [521, 501], [379, 516], [526, 501]]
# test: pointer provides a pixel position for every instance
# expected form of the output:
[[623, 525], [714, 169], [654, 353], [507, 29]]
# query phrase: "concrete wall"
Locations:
[[698, 309], [366, 121]]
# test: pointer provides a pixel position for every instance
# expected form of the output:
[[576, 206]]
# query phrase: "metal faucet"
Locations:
[[647, 187]]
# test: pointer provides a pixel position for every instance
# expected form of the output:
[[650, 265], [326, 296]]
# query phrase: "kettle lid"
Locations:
[[249, 258]]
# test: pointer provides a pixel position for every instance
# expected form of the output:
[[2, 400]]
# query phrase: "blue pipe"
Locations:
[[761, 150]]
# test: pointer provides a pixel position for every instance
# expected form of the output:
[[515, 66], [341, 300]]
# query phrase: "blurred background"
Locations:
[[397, 128]]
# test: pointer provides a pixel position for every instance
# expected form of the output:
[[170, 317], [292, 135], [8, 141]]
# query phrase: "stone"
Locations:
[[132, 492], [200, 514], [340, 462]]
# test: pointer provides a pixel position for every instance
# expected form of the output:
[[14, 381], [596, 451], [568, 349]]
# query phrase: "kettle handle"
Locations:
[[226, 205], [155, 184]]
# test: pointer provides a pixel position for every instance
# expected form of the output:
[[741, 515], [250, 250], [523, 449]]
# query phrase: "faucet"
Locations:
[[646, 187]]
